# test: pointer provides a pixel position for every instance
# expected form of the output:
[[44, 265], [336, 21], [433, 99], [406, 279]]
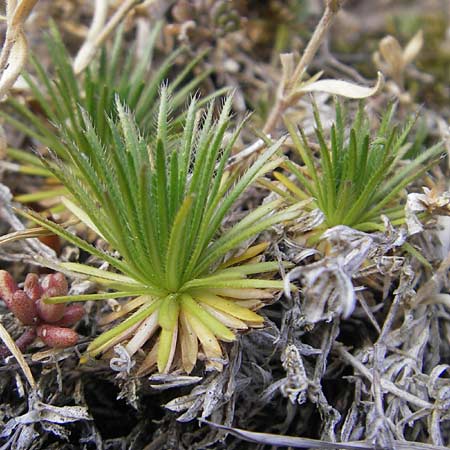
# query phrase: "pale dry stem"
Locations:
[[386, 385], [99, 32], [286, 85], [12, 347], [14, 51]]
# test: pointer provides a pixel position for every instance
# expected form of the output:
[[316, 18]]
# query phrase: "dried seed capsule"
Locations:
[[7, 287], [57, 282], [72, 315], [58, 337], [32, 287], [47, 312], [24, 308]]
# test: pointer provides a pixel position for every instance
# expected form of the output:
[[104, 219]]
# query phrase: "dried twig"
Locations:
[[291, 87], [286, 85], [385, 384], [15, 49], [99, 31]]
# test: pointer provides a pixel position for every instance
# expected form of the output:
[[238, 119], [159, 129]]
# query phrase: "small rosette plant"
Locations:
[[356, 176], [159, 203]]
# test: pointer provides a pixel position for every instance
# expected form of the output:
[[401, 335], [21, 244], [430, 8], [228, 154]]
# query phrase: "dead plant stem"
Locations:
[[331, 9], [314, 43], [115, 20], [384, 384], [93, 43]]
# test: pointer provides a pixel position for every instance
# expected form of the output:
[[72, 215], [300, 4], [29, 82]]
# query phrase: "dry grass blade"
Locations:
[[12, 347], [344, 88], [296, 442], [25, 234]]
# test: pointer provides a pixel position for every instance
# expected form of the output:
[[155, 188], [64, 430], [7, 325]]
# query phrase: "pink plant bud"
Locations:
[[24, 308], [72, 315], [48, 312], [57, 282], [58, 337], [32, 287], [26, 339], [22, 343], [7, 287]]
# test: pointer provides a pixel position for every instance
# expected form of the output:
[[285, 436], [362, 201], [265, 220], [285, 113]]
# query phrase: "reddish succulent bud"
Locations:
[[49, 321], [24, 308], [58, 337], [32, 287], [22, 342], [57, 282], [7, 287], [72, 315], [48, 312], [26, 339]]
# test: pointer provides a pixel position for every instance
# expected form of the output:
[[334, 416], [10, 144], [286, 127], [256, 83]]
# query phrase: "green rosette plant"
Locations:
[[355, 176], [159, 202]]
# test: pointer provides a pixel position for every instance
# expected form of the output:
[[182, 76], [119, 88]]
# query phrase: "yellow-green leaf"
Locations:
[[216, 327]]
